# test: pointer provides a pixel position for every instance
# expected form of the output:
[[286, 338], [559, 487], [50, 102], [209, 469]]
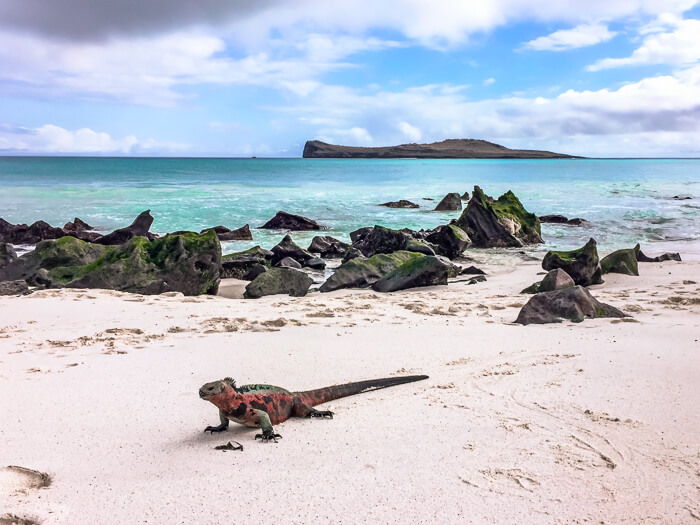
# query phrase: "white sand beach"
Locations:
[[562, 423]]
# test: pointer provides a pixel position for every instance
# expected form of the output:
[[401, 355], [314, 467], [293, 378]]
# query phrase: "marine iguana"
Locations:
[[262, 406]]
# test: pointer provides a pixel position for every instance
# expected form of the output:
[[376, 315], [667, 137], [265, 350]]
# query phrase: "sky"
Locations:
[[234, 78]]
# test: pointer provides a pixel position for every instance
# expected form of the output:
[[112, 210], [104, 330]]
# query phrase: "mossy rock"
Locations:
[[412, 245], [7, 254], [382, 240], [449, 240], [187, 263], [420, 271], [499, 223], [275, 281], [621, 261], [582, 264], [363, 272]]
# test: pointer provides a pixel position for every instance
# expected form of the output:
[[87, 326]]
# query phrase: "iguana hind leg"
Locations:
[[262, 419], [304, 410], [223, 426]]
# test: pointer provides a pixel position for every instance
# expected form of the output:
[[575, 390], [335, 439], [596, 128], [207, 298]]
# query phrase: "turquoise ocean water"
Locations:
[[626, 201]]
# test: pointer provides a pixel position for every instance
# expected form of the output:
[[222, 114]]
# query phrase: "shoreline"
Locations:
[[529, 424]]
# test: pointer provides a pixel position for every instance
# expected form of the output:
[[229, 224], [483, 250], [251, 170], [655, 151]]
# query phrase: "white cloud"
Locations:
[[412, 132], [623, 121], [580, 36], [55, 139], [489, 81], [677, 47]]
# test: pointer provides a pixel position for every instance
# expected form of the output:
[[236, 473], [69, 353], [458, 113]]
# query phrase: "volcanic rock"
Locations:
[[363, 272], [138, 228], [450, 240], [328, 247], [582, 264], [279, 281], [450, 202], [572, 304], [621, 261], [500, 223], [400, 204], [421, 271], [288, 248], [287, 221]]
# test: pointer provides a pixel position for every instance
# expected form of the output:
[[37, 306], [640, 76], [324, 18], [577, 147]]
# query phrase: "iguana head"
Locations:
[[215, 388]]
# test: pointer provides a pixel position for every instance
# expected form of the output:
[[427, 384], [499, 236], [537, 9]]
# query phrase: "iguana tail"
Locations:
[[323, 395]]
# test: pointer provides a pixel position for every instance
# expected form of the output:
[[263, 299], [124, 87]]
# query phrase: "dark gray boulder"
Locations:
[[472, 270], [450, 240], [363, 272], [572, 304], [581, 264], [77, 225], [138, 228], [288, 262], [504, 222], [382, 240], [254, 271], [315, 264], [561, 219], [659, 258], [420, 271], [240, 264], [288, 248], [359, 234], [224, 234], [288, 221], [450, 202], [556, 279], [23, 234], [464, 196], [279, 281], [621, 261], [19, 287], [328, 247], [400, 204], [352, 253]]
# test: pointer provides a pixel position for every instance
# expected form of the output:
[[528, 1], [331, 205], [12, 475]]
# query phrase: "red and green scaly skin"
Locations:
[[262, 406]]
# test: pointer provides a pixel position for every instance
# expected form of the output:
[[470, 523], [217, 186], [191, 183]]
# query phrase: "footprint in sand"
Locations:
[[20, 480]]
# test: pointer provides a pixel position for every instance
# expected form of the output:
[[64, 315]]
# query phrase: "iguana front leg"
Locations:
[[262, 419], [223, 426]]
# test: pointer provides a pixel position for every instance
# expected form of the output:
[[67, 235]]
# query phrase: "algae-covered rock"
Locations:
[[400, 204], [239, 265], [450, 240], [187, 263], [581, 264], [363, 272], [420, 271], [499, 223], [621, 261], [352, 253], [572, 304], [381, 240], [279, 281]]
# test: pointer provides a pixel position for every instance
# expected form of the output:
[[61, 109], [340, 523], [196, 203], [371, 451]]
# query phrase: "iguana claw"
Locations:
[[321, 413], [268, 435], [214, 429]]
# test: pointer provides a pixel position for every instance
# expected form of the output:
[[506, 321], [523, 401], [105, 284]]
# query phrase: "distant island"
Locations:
[[447, 149]]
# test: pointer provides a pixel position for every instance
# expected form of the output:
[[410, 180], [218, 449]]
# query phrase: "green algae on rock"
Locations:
[[581, 264], [279, 281], [621, 261], [187, 263], [499, 223], [364, 272], [416, 272]]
